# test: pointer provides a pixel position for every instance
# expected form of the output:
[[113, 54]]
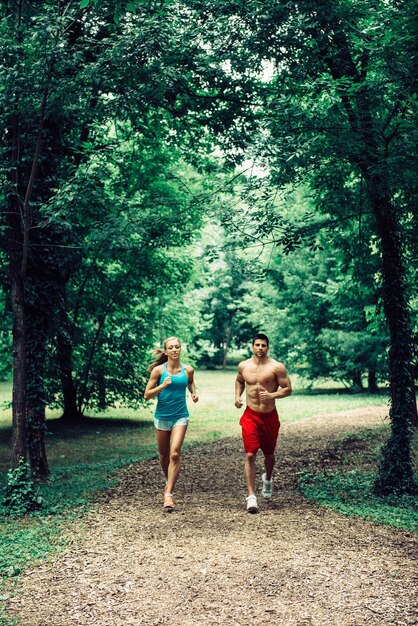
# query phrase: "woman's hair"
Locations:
[[160, 354]]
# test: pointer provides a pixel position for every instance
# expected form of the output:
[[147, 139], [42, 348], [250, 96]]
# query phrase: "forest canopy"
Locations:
[[209, 169]]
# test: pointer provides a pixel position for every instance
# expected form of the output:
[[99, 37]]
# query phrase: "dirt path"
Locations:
[[212, 563]]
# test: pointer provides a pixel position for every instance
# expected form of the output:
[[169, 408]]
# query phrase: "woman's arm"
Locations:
[[153, 389], [191, 385]]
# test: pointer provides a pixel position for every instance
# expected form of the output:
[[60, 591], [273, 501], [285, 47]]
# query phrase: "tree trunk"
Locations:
[[372, 386], [36, 353], [357, 381], [396, 468], [69, 392], [17, 280], [225, 351], [36, 442], [226, 344], [19, 409], [101, 389], [64, 359]]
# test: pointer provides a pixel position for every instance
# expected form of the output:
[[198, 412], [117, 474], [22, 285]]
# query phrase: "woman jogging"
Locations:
[[168, 381]]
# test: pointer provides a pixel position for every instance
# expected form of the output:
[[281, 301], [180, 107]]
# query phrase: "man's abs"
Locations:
[[255, 403]]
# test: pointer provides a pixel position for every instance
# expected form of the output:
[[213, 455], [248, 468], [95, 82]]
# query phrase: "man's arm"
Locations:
[[285, 386], [239, 387]]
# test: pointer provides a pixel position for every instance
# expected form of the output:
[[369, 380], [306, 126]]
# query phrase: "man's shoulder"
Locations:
[[278, 366], [243, 364]]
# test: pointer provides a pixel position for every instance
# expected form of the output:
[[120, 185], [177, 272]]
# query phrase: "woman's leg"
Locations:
[[177, 437], [163, 441]]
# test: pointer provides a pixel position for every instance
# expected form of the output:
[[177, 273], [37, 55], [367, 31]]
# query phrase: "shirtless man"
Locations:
[[265, 381]]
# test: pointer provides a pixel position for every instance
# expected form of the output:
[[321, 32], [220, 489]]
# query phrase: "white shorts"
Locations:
[[169, 424]]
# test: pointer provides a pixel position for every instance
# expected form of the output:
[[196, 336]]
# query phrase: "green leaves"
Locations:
[[20, 496]]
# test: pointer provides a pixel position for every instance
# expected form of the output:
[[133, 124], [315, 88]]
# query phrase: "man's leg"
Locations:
[[267, 478], [251, 441], [249, 471], [269, 460], [268, 445]]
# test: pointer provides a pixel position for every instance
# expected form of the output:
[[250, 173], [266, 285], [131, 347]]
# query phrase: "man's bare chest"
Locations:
[[259, 376]]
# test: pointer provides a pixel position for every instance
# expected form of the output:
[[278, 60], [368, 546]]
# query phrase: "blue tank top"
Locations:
[[172, 399]]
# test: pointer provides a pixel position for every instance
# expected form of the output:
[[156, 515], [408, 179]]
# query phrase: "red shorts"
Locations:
[[259, 430]]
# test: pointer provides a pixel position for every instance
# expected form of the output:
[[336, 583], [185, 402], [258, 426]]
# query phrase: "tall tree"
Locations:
[[339, 104], [69, 69]]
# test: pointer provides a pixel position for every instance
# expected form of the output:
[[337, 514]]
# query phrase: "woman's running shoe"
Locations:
[[168, 502]]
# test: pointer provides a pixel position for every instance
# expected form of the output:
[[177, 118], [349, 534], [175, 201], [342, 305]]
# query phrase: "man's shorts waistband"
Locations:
[[265, 414]]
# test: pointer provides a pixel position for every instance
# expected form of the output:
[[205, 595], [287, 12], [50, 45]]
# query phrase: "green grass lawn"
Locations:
[[85, 458], [121, 435], [348, 487], [351, 493]]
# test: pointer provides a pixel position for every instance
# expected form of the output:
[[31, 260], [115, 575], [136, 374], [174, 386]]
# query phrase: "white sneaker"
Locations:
[[267, 490], [252, 506]]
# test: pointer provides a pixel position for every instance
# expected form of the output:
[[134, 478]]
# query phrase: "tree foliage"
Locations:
[[94, 197], [339, 111], [110, 114]]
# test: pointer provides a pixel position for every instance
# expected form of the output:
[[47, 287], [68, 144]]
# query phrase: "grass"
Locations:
[[84, 459], [348, 488], [350, 493]]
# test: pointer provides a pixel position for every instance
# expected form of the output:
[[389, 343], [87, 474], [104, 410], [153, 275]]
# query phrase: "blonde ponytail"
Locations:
[[161, 358]]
